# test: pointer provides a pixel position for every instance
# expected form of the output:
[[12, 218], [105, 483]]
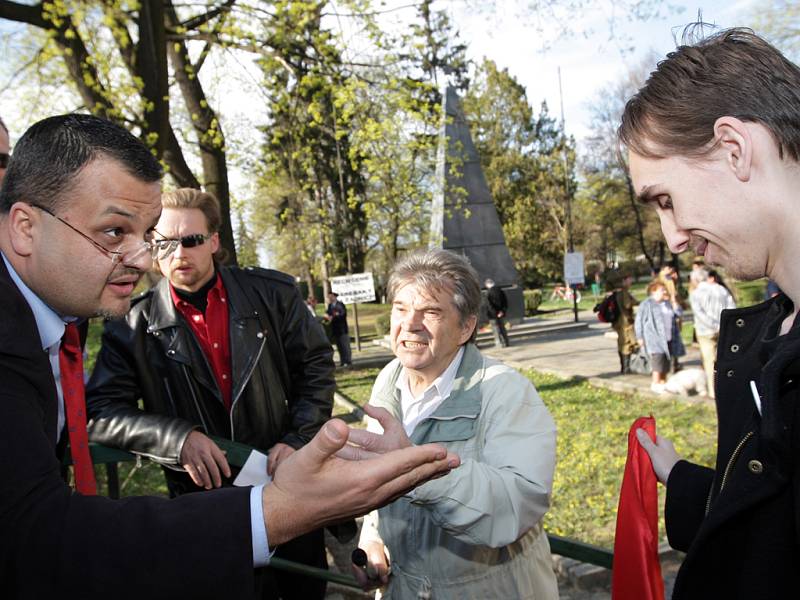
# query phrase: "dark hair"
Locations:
[[731, 73], [51, 153]]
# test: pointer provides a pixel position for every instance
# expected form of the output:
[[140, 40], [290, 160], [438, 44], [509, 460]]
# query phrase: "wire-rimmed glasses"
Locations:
[[126, 255]]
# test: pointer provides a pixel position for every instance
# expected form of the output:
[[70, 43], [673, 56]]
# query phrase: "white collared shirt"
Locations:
[[423, 406]]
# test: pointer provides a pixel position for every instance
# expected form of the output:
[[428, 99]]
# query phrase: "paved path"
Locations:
[[590, 353]]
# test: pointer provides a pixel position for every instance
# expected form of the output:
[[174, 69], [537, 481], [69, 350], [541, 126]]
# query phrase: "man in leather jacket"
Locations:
[[214, 350], [714, 146]]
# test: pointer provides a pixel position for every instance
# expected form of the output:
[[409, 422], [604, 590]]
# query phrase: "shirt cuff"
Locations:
[[258, 528]]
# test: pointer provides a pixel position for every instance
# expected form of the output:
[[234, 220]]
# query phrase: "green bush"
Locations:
[[382, 324], [533, 298], [751, 292]]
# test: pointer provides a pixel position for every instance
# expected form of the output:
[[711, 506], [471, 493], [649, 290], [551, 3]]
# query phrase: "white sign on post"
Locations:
[[357, 287], [573, 268]]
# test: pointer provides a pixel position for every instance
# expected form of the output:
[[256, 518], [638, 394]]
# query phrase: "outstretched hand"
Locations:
[[363, 444], [662, 454], [314, 487]]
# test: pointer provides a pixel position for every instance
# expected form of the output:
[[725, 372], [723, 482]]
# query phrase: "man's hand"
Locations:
[[364, 444], [314, 487], [276, 456], [662, 454], [500, 314], [204, 461], [376, 573]]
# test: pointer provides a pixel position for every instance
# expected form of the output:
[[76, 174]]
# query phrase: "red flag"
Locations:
[[637, 573]]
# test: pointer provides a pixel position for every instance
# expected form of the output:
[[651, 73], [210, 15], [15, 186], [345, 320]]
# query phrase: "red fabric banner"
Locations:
[[637, 573]]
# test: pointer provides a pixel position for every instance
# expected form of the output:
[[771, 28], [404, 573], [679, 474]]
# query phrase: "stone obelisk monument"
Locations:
[[463, 216]]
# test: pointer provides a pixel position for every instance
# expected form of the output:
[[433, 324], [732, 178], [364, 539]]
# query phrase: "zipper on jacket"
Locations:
[[194, 398], [246, 377], [729, 467], [169, 397]]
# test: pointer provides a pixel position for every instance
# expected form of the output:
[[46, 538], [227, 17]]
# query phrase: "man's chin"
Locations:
[[116, 311]]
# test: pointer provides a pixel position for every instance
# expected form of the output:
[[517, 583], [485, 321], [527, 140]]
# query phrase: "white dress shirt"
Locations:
[[423, 406]]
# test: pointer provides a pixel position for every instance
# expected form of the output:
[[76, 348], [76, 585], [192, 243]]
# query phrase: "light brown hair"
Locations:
[[205, 202], [732, 73]]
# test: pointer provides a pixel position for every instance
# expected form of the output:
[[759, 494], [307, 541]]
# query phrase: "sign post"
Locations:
[[352, 289], [573, 276]]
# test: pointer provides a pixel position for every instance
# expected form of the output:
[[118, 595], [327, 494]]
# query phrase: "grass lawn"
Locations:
[[592, 445], [592, 450], [593, 426]]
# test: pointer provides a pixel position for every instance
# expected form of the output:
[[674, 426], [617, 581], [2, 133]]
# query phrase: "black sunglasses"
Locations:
[[167, 246], [4, 158]]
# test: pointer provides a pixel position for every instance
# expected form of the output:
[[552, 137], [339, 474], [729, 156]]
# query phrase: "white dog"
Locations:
[[686, 381]]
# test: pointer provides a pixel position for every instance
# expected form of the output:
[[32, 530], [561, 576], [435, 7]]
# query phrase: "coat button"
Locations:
[[735, 348], [755, 466], [730, 373], [171, 352], [740, 322]]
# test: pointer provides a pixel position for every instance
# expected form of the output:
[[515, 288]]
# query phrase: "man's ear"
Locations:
[[734, 140], [466, 331], [23, 222], [214, 242]]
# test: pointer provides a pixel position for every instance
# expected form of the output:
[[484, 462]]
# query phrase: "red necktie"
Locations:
[[70, 362], [637, 573]]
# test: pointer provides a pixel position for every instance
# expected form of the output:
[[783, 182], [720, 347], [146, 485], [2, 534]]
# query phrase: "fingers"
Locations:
[[405, 469], [328, 441], [204, 461], [272, 464], [350, 452], [645, 440], [376, 572], [381, 415], [198, 474], [365, 439]]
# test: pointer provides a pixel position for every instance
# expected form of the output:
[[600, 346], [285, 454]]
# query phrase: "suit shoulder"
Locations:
[[269, 274]]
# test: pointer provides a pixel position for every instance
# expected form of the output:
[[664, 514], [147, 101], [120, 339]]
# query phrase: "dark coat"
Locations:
[[740, 522], [337, 311], [282, 371], [496, 302], [58, 544]]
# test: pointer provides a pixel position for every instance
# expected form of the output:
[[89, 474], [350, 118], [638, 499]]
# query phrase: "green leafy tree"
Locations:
[[522, 156], [618, 224], [117, 56]]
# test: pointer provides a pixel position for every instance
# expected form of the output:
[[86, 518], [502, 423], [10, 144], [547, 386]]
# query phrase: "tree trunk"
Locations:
[[208, 130]]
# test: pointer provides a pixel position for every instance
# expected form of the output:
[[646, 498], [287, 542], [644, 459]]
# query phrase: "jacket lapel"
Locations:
[[177, 339]]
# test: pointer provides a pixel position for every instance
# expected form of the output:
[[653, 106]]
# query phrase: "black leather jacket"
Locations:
[[282, 369]]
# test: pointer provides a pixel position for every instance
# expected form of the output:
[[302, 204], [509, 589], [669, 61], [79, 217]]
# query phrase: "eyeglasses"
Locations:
[[127, 255], [4, 158], [167, 246]]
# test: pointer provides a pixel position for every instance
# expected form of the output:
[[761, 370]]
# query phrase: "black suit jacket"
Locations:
[[54, 542]]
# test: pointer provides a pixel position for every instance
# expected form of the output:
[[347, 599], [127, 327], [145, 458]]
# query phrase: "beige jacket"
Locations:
[[475, 533]]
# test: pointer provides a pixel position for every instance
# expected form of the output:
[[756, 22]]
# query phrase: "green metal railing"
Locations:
[[237, 454]]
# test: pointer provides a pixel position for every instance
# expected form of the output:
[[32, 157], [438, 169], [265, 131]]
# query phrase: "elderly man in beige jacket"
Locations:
[[476, 533]]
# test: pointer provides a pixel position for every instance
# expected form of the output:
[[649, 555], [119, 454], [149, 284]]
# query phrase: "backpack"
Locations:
[[608, 310]]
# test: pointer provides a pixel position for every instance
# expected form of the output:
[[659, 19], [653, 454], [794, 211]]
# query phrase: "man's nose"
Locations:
[[677, 238], [412, 320]]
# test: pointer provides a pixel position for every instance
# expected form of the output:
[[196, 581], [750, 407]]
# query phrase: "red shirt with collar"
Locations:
[[211, 330]]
